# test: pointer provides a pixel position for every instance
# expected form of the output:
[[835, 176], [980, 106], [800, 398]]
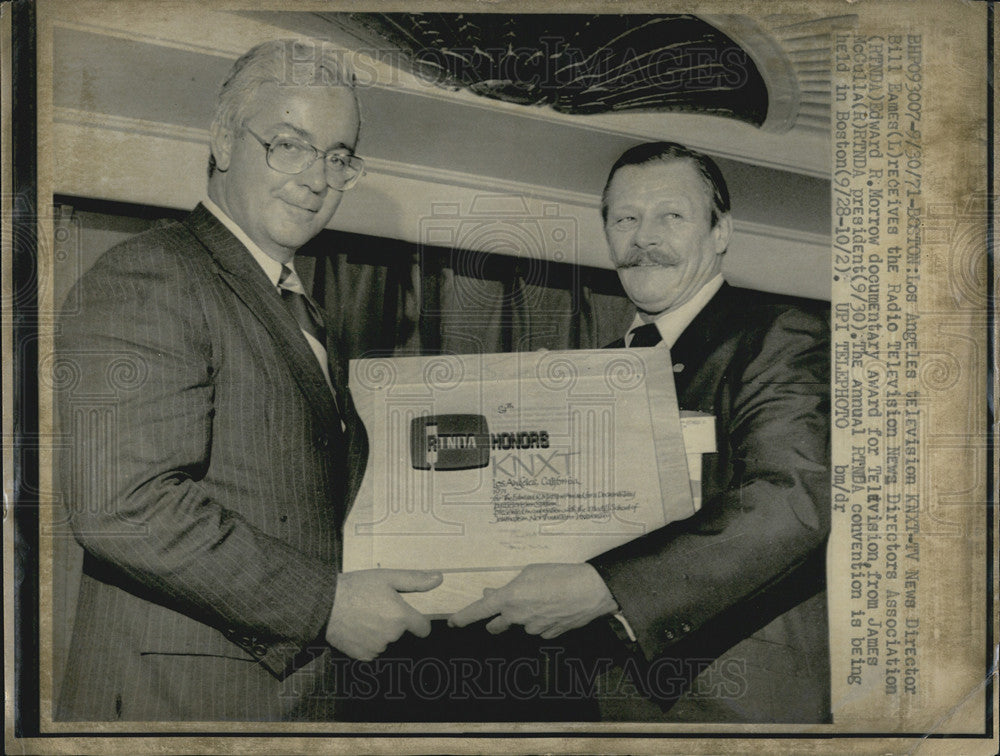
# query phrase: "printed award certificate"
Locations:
[[482, 464]]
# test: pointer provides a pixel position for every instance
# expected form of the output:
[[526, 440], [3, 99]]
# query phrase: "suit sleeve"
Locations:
[[771, 520], [139, 421]]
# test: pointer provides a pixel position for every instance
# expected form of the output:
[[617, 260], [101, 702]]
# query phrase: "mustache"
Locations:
[[640, 257]]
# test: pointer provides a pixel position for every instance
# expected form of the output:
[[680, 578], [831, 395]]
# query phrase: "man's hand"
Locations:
[[548, 599], [368, 613]]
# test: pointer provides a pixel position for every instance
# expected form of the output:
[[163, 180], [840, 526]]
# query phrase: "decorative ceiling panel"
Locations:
[[576, 64]]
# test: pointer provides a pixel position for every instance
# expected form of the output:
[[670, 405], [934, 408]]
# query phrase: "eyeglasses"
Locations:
[[288, 155]]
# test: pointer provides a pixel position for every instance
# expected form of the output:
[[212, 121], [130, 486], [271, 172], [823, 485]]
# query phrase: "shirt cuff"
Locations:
[[628, 628]]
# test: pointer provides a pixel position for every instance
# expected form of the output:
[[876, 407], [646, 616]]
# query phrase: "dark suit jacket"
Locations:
[[207, 476], [746, 569]]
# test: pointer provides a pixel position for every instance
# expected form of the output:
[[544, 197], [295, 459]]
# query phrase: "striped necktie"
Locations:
[[645, 336], [303, 309]]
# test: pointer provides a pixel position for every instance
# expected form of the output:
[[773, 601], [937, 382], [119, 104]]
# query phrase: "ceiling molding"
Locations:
[[773, 63], [393, 204], [766, 231], [793, 54], [804, 149], [421, 173], [481, 183], [138, 127], [127, 125], [133, 35], [807, 41]]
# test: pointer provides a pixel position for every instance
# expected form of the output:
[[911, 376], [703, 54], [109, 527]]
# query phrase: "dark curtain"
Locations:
[[390, 297]]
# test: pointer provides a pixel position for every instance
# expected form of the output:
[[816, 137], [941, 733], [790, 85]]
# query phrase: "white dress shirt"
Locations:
[[671, 324], [272, 269]]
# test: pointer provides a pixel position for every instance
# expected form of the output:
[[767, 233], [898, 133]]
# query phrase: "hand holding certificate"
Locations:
[[482, 464], [547, 599]]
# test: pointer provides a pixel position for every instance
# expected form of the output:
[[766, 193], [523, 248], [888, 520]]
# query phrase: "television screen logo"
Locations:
[[449, 442]]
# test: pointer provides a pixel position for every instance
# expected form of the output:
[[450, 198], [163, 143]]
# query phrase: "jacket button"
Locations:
[[685, 628], [323, 441], [670, 634], [259, 649]]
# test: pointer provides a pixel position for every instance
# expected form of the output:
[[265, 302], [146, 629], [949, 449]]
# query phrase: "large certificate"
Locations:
[[482, 464]]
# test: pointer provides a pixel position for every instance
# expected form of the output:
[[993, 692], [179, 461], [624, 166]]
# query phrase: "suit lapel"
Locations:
[[710, 325], [713, 324], [247, 280]]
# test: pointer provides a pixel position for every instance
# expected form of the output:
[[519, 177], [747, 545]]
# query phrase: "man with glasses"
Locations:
[[209, 503]]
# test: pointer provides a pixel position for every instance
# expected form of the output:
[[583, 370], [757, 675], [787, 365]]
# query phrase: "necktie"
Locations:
[[307, 314], [646, 336], [303, 309]]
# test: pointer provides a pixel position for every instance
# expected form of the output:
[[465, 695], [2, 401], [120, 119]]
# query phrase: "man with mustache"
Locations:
[[214, 447], [725, 611]]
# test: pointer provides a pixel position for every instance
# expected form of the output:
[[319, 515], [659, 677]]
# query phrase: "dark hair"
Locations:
[[668, 152]]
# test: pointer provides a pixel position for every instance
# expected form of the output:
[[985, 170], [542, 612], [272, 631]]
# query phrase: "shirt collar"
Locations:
[[271, 267], [671, 324]]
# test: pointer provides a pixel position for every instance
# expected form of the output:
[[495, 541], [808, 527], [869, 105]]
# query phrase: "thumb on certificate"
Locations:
[[409, 581]]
